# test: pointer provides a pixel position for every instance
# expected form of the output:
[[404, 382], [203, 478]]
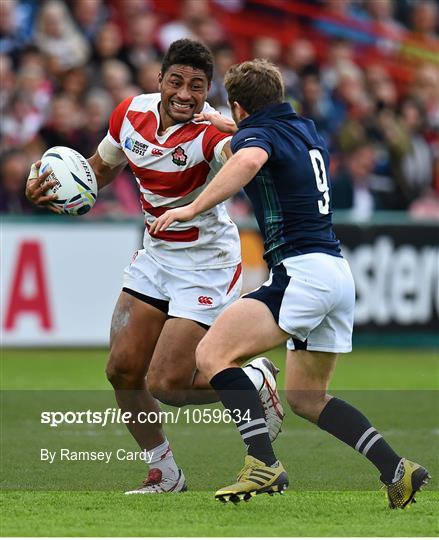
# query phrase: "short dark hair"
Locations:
[[254, 85], [187, 52]]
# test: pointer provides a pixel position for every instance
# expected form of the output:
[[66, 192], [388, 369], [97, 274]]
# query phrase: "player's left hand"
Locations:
[[185, 213]]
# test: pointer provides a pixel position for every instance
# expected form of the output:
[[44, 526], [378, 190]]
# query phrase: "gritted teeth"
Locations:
[[181, 105]]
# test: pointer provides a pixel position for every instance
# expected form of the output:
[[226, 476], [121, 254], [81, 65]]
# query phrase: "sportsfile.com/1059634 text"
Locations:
[[113, 415]]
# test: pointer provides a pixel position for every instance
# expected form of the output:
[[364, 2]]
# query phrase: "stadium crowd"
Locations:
[[66, 64]]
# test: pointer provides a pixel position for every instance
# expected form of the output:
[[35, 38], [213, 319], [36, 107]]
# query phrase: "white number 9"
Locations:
[[318, 166]]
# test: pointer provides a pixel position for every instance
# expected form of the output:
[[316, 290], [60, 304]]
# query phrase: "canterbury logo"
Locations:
[[205, 300]]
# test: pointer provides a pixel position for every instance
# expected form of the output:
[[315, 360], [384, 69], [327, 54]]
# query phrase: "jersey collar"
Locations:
[[272, 111]]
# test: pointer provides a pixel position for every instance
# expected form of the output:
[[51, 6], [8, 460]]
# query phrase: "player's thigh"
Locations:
[[135, 329], [196, 299], [244, 329], [173, 361]]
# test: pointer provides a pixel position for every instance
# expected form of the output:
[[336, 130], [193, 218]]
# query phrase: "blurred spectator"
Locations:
[[424, 21], [268, 48], [61, 127], [350, 97], [116, 79], [57, 36], [192, 13], [20, 122], [379, 84], [124, 10], [14, 170], [90, 16], [7, 80], [339, 53], [148, 77], [74, 83], [107, 46], [108, 42], [351, 187], [15, 26], [140, 47], [417, 164], [300, 54], [97, 110], [426, 88], [224, 57], [32, 81], [315, 103], [209, 32]]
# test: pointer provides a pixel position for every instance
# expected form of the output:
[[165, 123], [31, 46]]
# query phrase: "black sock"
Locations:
[[351, 426], [238, 393]]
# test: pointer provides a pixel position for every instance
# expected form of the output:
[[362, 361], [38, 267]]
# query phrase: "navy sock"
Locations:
[[351, 426], [239, 395]]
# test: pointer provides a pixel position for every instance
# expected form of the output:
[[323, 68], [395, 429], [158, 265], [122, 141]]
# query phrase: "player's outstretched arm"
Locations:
[[235, 174], [222, 123], [37, 186]]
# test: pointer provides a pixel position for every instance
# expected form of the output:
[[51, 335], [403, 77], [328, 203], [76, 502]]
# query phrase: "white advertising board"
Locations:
[[60, 281]]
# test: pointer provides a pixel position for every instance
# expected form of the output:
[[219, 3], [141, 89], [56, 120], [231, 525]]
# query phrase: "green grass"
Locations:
[[333, 491], [59, 369], [196, 514]]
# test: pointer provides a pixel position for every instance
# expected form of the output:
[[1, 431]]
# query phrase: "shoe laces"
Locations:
[[154, 477], [245, 472]]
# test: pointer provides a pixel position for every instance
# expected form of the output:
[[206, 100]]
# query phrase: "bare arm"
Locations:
[[103, 172], [235, 174]]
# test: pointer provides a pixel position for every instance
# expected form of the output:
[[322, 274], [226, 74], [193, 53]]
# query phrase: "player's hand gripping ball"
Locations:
[[75, 185]]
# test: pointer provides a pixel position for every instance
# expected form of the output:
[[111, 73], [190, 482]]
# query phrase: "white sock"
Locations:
[[255, 375], [161, 457]]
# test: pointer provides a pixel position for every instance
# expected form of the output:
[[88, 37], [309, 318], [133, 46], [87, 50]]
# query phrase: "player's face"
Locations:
[[183, 93]]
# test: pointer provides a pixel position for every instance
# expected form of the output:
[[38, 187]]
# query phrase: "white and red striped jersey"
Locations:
[[171, 170]]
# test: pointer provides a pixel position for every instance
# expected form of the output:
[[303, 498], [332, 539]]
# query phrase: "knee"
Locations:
[[204, 358], [123, 371], [169, 389], [306, 403]]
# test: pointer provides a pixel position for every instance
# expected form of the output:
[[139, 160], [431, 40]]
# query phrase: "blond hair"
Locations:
[[254, 85]]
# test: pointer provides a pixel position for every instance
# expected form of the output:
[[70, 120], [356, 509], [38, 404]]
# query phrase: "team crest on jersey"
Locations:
[[179, 157], [135, 146]]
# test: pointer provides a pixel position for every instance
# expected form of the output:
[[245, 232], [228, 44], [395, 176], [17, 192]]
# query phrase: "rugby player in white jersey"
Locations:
[[178, 284]]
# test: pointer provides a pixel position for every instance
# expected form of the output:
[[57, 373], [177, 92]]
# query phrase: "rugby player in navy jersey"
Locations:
[[308, 300]]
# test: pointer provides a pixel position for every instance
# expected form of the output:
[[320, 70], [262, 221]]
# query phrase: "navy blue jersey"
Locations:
[[291, 194]]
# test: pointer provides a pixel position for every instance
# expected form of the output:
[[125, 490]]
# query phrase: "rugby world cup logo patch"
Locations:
[[135, 146], [179, 157]]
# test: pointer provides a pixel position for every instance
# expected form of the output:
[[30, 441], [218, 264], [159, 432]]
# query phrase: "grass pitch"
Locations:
[[333, 491]]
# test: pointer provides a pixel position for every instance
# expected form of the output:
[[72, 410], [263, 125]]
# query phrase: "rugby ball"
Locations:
[[76, 185]]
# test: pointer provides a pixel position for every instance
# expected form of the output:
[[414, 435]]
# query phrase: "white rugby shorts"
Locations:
[[312, 298], [198, 295]]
